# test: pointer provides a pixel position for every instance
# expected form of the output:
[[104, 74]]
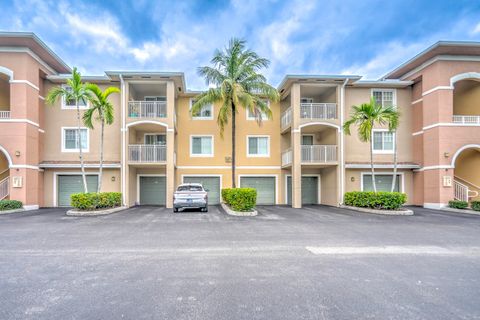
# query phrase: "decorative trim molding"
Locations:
[[417, 101], [24, 166], [380, 166], [20, 121], [26, 82], [436, 89], [77, 165], [438, 167], [417, 133]]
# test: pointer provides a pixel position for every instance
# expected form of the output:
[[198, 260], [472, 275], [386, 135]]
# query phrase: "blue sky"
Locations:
[[367, 38]]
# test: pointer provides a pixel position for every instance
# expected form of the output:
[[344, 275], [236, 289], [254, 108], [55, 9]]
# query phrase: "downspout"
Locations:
[[342, 140], [123, 173]]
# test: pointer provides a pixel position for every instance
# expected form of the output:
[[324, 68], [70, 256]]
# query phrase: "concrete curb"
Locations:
[[466, 211], [238, 213], [12, 211], [81, 213], [402, 212]]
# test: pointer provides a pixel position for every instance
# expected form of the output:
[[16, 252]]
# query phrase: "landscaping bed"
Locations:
[[10, 206], [462, 207], [95, 204], [387, 203], [239, 201]]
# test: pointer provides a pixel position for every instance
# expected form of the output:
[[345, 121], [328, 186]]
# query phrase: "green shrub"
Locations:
[[240, 199], [378, 200], [476, 205], [457, 204], [93, 200], [10, 205]]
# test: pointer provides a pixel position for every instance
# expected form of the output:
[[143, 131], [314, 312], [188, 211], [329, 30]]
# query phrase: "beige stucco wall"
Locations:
[[56, 118], [4, 93], [355, 185], [466, 97], [357, 151], [49, 180]]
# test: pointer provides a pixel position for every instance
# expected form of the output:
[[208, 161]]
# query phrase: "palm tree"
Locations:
[[366, 116], [104, 108], [393, 126], [75, 91], [236, 83]]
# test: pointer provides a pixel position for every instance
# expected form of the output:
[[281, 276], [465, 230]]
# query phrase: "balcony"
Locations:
[[147, 109], [466, 120], [318, 111], [4, 114], [147, 153], [286, 118], [312, 154]]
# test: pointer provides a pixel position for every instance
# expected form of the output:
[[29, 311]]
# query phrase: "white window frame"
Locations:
[[384, 173], [145, 98], [383, 151], [72, 107], [249, 155], [202, 118], [310, 100], [202, 136], [393, 91], [86, 149], [264, 116]]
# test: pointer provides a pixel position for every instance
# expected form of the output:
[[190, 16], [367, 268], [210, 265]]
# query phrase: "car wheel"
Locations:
[[205, 209], [175, 209]]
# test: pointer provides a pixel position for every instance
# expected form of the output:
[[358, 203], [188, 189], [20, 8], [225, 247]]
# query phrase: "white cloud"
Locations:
[[476, 29]]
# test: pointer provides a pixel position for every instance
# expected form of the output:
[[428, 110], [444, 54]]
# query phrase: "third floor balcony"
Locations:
[[310, 111], [147, 109]]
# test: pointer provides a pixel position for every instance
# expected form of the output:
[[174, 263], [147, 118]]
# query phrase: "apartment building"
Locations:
[[300, 156]]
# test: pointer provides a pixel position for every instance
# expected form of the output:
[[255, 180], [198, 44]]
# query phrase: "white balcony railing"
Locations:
[[4, 188], [466, 119], [147, 153], [286, 118], [147, 109], [322, 111], [319, 153], [4, 114], [287, 157]]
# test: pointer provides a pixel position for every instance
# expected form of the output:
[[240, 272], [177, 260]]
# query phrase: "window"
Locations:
[[155, 98], [385, 97], [263, 116], [206, 113], [155, 139], [383, 182], [201, 146], [70, 104], [258, 146], [306, 100], [383, 141], [70, 139], [307, 140]]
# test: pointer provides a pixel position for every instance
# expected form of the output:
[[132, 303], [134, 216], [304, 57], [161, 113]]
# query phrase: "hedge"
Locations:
[[476, 205], [10, 205], [375, 200], [93, 200], [240, 199], [457, 204]]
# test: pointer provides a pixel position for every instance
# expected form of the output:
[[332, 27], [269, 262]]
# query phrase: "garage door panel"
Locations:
[[152, 190], [265, 187], [210, 183], [69, 184], [309, 190]]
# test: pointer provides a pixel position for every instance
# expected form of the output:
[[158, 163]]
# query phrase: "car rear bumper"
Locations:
[[187, 204]]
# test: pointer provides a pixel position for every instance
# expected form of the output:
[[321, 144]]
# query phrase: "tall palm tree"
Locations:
[[75, 91], [366, 116], [393, 126], [236, 83], [101, 106]]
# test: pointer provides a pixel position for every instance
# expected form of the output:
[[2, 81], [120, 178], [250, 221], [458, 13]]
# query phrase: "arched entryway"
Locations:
[[466, 93], [5, 162], [5, 76], [466, 164]]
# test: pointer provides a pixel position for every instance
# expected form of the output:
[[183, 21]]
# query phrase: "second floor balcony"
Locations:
[[147, 153], [466, 120], [4, 114], [310, 112], [312, 154], [147, 109]]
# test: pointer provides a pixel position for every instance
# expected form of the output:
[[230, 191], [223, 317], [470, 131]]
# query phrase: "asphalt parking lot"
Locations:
[[314, 263]]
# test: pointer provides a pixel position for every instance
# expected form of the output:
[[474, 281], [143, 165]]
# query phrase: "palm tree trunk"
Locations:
[[79, 140], [100, 171], [394, 180], [233, 145], [371, 164]]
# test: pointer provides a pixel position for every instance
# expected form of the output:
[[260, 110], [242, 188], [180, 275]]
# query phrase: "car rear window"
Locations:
[[190, 188]]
